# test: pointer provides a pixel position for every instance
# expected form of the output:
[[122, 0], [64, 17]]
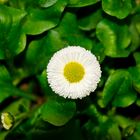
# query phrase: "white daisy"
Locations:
[[73, 72]]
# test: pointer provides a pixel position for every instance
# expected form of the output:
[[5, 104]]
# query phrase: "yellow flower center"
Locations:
[[74, 72]]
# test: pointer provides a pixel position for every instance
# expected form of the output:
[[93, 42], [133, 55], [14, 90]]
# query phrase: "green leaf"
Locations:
[[39, 20], [18, 107], [89, 22], [118, 90], [137, 57], [4, 74], [58, 111], [134, 72], [70, 33], [12, 38], [39, 51], [122, 121], [138, 102], [136, 20], [4, 80], [31, 3], [117, 8], [98, 49], [136, 134], [107, 130], [115, 38], [3, 135], [47, 3], [7, 89], [80, 3], [42, 78], [134, 36]]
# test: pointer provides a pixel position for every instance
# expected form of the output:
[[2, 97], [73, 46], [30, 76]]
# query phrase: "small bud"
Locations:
[[7, 120]]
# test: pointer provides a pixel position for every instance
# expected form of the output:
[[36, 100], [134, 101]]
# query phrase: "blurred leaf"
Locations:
[[18, 107], [12, 38], [71, 131], [40, 20], [39, 51], [4, 74], [5, 79], [3, 135], [22, 4], [129, 130], [43, 130], [98, 50], [138, 102], [58, 111], [79, 3], [89, 22], [7, 89], [122, 121], [42, 78], [137, 57], [135, 42], [70, 34], [107, 130], [31, 3], [136, 134], [136, 20], [135, 71], [114, 37], [118, 90], [117, 8]]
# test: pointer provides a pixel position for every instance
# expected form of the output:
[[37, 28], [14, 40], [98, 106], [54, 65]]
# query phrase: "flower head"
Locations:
[[73, 72], [7, 120]]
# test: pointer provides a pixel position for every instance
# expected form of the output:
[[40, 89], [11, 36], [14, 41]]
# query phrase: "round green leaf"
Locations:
[[118, 90], [89, 22], [58, 111], [115, 38], [12, 38], [117, 8], [40, 20]]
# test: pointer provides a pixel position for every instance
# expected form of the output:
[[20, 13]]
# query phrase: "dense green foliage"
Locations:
[[31, 31]]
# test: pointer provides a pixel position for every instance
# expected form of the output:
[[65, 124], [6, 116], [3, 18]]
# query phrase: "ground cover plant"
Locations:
[[31, 32]]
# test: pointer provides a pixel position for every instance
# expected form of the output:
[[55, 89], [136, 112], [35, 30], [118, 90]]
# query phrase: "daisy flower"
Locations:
[[73, 72]]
